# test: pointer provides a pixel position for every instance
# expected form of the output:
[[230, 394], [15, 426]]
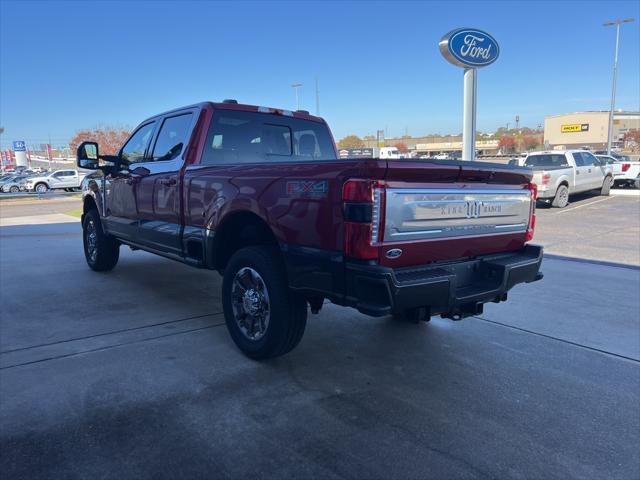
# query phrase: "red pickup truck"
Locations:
[[260, 195]]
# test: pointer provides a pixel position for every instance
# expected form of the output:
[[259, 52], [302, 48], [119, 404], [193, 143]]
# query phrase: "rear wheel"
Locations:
[[14, 189], [101, 251], [561, 199], [264, 317], [606, 186]]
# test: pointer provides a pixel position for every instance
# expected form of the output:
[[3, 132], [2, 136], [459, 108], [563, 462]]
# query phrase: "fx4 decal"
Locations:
[[307, 188]]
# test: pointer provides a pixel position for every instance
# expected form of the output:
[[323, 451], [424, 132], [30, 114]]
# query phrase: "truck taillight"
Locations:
[[626, 166], [362, 209], [533, 188], [545, 178]]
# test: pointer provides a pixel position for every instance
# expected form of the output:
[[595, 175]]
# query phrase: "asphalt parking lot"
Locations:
[[132, 374]]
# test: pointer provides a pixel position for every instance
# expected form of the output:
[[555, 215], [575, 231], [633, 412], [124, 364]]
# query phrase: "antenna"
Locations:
[[317, 98]]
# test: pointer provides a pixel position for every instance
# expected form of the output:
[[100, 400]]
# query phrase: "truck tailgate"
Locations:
[[450, 210]]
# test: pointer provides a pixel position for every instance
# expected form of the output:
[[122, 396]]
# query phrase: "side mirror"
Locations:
[[87, 155]]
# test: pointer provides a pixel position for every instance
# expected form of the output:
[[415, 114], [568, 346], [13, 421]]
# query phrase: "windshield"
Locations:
[[546, 160], [605, 159]]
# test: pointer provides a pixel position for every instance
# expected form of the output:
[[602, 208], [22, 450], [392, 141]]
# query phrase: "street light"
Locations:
[[615, 76], [295, 87]]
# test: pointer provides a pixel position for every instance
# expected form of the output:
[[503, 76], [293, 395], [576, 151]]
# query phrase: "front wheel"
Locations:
[[41, 188], [101, 251], [264, 317], [14, 189], [606, 186]]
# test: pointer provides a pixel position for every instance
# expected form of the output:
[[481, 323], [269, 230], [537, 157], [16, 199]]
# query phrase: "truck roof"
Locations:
[[234, 105], [559, 152]]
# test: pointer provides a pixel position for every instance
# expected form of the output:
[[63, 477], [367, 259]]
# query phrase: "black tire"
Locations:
[[606, 186], [561, 199], [107, 248], [287, 317], [41, 188], [14, 189]]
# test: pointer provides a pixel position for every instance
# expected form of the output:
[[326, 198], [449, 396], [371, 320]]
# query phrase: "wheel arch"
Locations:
[[237, 230]]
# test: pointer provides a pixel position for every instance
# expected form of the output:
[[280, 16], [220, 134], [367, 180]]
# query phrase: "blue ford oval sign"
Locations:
[[469, 48]]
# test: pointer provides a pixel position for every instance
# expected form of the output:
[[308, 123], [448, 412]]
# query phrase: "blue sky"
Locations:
[[67, 66]]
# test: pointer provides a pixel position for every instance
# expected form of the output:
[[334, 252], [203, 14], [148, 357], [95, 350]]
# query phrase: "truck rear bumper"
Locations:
[[455, 290]]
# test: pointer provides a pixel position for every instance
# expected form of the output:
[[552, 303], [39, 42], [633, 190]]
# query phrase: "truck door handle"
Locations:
[[169, 182]]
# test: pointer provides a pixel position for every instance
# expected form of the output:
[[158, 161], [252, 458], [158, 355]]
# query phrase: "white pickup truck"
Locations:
[[64, 179], [625, 172], [560, 173]]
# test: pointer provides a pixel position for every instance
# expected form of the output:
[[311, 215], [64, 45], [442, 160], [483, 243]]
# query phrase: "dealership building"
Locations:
[[587, 129]]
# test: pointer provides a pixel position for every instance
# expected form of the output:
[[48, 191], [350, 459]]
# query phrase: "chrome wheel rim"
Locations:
[[564, 197], [250, 302], [41, 189], [92, 238]]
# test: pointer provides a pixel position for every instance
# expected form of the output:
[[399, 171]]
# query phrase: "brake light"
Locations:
[[362, 210], [545, 178], [626, 166], [533, 189]]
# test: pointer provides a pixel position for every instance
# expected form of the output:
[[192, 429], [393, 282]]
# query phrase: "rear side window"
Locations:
[[172, 137], [546, 160], [135, 148], [249, 137]]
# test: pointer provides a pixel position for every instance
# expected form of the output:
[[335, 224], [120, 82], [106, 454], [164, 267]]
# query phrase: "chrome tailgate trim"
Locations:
[[420, 214]]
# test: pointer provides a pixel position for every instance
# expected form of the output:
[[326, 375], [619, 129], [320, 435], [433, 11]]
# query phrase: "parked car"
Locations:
[[13, 184], [561, 173], [260, 195], [60, 179], [625, 172], [441, 156], [614, 154]]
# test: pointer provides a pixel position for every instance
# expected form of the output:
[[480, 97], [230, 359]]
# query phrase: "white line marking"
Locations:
[[583, 205]]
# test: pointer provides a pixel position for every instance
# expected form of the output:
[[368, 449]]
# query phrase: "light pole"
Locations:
[[615, 76], [295, 87]]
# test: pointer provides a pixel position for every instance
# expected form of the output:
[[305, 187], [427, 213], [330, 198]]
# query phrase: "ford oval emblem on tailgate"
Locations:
[[394, 253]]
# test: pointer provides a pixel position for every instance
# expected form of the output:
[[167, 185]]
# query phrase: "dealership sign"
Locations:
[[469, 48], [19, 146], [574, 127]]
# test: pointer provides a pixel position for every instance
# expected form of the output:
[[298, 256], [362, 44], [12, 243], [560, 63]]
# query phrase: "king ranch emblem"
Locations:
[[471, 209]]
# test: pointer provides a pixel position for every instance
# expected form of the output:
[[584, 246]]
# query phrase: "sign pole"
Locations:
[[469, 115], [470, 49]]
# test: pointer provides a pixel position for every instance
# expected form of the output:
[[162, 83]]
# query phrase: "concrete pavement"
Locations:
[[131, 374]]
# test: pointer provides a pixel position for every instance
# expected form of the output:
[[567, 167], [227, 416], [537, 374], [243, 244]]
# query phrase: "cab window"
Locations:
[[172, 137], [248, 137], [134, 150], [589, 159]]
